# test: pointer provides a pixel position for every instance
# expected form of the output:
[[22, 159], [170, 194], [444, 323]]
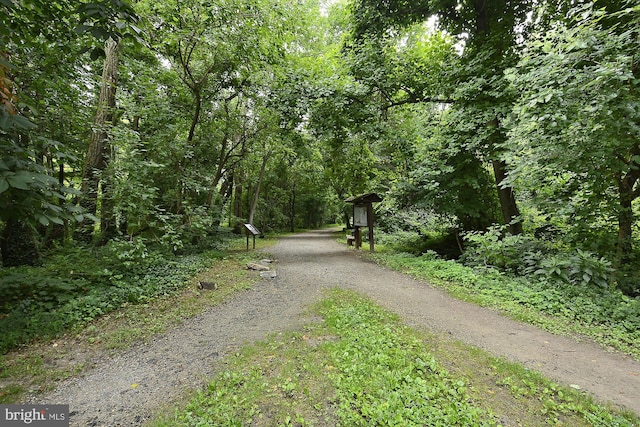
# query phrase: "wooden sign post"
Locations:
[[363, 216], [251, 231]]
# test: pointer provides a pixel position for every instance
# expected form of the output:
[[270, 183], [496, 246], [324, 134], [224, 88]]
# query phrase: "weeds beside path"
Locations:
[[129, 388]]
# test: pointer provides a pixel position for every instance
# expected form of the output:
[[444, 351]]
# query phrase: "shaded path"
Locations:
[[128, 389]]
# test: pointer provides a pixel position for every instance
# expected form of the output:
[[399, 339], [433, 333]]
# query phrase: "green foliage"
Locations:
[[76, 286], [494, 248], [187, 233], [40, 117], [131, 253], [385, 376], [27, 189], [579, 268], [574, 134], [442, 243], [526, 256], [106, 19], [451, 179]]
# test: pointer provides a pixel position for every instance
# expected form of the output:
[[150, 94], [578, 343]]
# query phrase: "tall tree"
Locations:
[[576, 131], [99, 150], [110, 21], [489, 31], [222, 52]]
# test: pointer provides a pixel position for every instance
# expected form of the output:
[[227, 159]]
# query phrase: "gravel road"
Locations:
[[128, 389]]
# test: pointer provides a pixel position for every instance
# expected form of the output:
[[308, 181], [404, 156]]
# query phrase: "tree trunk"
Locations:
[[508, 206], [222, 161], [292, 212], [237, 199], [57, 231], [97, 157], [108, 223], [510, 211], [625, 233], [256, 195], [190, 137]]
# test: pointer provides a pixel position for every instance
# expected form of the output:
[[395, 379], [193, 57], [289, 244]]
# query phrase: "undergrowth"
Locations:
[[38, 366], [77, 284]]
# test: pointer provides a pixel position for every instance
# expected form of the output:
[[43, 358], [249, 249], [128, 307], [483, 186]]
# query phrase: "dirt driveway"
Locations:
[[128, 389]]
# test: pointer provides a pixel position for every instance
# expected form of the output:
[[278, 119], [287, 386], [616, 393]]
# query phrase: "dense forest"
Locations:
[[499, 133]]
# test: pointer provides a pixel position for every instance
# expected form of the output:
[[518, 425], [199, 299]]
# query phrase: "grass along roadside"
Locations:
[[37, 367], [608, 318], [360, 366]]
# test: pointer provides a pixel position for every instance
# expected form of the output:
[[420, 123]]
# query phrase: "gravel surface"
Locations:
[[128, 389]]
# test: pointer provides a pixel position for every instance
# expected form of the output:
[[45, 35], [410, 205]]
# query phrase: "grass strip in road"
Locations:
[[361, 366], [386, 376]]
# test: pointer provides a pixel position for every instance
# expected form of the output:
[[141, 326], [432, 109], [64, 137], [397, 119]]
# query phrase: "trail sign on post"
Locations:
[[360, 216], [251, 230], [363, 216]]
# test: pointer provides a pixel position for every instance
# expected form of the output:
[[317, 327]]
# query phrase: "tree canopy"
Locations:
[[166, 120]]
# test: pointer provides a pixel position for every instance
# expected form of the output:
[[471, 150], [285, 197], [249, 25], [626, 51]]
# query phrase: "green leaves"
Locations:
[[28, 192], [76, 287], [384, 375], [574, 131], [13, 122], [107, 19], [21, 180]]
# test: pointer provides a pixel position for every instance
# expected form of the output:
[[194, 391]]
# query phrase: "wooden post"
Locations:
[[254, 241], [370, 225]]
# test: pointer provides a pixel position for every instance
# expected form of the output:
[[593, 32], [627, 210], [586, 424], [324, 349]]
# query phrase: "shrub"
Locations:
[[517, 254], [578, 268], [76, 287], [527, 256]]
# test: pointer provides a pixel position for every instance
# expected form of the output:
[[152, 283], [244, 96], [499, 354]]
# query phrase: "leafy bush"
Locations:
[[413, 220], [20, 284], [444, 244], [129, 252], [402, 241], [578, 268], [527, 256], [495, 248], [76, 286]]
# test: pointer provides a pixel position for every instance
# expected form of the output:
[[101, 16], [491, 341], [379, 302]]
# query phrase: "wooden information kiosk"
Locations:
[[363, 216]]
